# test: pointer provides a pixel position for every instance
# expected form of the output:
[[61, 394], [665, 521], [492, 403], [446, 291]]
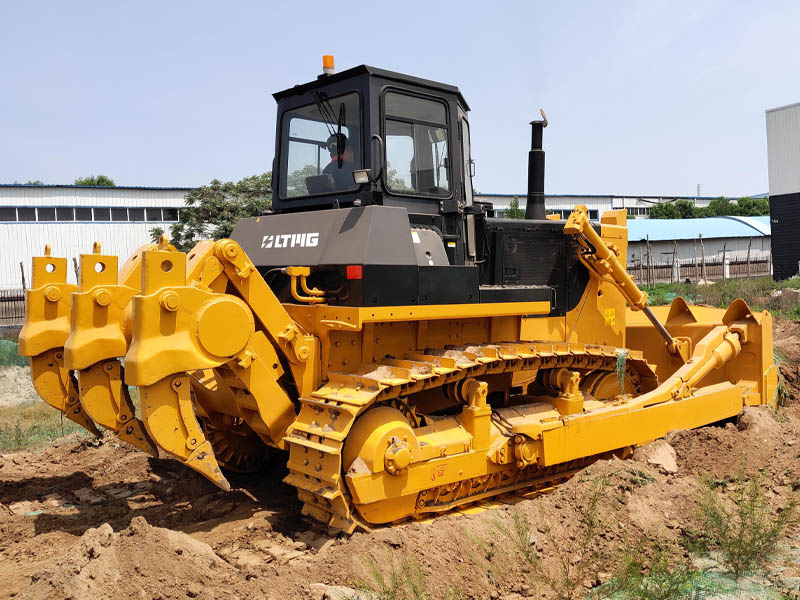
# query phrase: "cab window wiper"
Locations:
[[326, 111]]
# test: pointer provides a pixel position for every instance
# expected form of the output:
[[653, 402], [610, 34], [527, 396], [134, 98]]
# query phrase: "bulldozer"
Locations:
[[404, 349]]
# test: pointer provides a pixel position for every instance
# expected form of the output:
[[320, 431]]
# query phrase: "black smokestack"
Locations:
[[534, 208]]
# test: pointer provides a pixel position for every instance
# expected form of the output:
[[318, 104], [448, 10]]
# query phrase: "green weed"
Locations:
[[403, 580], [744, 530], [570, 565], [655, 578], [32, 424], [638, 477]]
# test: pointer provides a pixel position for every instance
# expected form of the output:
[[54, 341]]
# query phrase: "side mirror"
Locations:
[[378, 158]]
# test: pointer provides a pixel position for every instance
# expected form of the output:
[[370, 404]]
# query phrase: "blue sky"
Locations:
[[643, 97]]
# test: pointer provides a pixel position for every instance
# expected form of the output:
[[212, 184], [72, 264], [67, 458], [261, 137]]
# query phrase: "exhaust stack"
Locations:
[[534, 208]]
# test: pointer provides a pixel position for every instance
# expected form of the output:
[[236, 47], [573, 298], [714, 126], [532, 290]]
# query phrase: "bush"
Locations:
[[744, 531]]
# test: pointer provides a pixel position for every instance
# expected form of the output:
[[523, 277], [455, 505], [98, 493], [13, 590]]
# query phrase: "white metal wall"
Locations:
[[783, 149], [21, 241]]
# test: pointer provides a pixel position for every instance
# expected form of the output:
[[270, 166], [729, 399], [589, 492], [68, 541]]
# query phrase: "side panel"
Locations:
[[374, 235]]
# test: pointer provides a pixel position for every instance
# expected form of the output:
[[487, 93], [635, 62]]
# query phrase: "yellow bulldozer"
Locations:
[[405, 350]]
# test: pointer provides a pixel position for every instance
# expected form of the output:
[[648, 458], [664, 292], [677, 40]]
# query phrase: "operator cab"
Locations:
[[370, 136]]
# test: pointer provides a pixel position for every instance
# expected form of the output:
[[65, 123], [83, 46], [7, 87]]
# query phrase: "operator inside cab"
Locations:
[[342, 164]]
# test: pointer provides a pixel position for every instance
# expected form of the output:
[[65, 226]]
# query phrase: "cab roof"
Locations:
[[374, 71]]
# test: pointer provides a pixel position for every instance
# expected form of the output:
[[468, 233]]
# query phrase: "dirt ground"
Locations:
[[91, 520]]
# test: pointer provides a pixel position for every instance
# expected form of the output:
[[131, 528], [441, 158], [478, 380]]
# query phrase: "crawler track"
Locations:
[[317, 438]]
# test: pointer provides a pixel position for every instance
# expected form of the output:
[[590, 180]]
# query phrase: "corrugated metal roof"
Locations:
[[689, 229]]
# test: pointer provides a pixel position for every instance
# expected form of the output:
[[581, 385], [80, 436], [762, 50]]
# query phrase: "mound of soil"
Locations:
[[138, 562]]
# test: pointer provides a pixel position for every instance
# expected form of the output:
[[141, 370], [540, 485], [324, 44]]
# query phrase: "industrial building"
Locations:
[[638, 207], [677, 248], [70, 218], [730, 235], [783, 151]]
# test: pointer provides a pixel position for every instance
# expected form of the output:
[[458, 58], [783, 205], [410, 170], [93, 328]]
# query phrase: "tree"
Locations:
[[514, 211], [96, 181], [212, 210], [665, 210], [753, 207], [720, 207], [685, 208]]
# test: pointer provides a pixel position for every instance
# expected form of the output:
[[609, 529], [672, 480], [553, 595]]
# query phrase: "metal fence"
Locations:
[[12, 307], [717, 269]]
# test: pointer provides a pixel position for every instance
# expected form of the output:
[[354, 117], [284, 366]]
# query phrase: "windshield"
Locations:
[[321, 146]]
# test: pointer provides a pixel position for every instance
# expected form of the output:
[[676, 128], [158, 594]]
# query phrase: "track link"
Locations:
[[317, 438]]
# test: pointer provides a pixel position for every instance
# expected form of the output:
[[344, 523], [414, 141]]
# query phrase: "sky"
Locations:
[[643, 98]]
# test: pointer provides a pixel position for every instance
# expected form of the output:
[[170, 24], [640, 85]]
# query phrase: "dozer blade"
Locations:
[[171, 423], [57, 387], [105, 398]]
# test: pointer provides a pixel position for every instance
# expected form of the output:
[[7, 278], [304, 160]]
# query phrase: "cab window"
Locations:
[[417, 159], [321, 147]]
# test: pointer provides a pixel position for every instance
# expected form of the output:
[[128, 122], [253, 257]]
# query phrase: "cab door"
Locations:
[[467, 170]]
